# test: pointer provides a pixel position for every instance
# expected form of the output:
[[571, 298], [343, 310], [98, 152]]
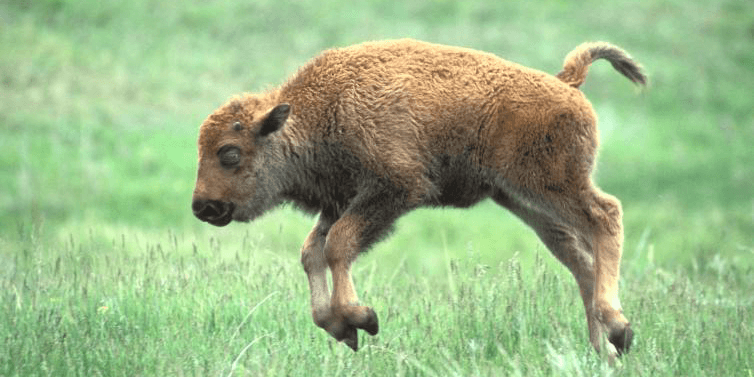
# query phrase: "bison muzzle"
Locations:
[[214, 212]]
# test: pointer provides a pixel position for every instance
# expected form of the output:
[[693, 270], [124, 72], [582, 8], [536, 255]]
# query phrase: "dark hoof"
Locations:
[[346, 334], [621, 339], [351, 338], [345, 328], [371, 325]]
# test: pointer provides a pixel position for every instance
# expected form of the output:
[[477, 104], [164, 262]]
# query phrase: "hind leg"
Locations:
[[607, 232], [592, 254]]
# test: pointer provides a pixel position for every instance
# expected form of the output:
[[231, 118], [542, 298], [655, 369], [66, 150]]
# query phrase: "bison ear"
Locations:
[[275, 119]]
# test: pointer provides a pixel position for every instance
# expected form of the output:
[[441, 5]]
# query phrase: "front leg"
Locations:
[[339, 316], [315, 264], [344, 242]]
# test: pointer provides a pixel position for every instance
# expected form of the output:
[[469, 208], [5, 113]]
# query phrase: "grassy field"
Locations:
[[104, 271]]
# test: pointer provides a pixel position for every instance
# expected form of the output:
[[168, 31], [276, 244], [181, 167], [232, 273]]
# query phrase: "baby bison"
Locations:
[[364, 134]]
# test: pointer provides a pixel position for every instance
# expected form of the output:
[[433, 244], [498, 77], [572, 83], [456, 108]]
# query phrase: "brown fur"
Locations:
[[366, 133]]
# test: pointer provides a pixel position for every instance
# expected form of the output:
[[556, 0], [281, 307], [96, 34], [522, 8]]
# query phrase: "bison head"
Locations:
[[238, 156]]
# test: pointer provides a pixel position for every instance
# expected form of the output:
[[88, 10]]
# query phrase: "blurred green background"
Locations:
[[100, 104]]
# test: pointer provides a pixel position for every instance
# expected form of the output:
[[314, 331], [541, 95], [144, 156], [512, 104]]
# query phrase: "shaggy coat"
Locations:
[[364, 134]]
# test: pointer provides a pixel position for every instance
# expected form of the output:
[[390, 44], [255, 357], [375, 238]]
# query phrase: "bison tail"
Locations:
[[577, 63]]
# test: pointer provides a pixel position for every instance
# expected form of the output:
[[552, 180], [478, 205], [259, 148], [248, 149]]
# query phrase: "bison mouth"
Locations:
[[214, 212]]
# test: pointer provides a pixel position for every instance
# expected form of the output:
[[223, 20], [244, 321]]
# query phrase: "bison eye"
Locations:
[[230, 156]]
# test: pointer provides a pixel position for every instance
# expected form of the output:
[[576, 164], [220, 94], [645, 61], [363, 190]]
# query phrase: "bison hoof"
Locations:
[[350, 337], [371, 324], [621, 339], [354, 318]]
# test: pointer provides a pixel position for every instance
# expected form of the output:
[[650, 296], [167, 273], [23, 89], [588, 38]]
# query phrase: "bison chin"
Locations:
[[214, 212]]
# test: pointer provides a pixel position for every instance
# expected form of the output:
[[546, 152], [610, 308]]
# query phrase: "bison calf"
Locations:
[[364, 134]]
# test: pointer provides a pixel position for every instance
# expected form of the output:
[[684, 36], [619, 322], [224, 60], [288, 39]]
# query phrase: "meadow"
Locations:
[[105, 271]]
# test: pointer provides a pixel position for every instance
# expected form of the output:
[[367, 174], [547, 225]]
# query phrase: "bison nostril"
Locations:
[[207, 209], [197, 206], [213, 209]]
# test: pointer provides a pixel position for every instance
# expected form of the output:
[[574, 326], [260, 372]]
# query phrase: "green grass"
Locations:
[[104, 271], [145, 303]]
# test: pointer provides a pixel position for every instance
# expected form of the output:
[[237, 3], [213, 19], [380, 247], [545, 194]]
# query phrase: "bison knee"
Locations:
[[608, 213]]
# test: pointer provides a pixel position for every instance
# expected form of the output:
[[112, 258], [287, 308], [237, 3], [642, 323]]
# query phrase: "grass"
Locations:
[[170, 304], [103, 270]]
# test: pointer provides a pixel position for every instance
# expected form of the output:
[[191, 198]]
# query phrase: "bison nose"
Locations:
[[214, 212]]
